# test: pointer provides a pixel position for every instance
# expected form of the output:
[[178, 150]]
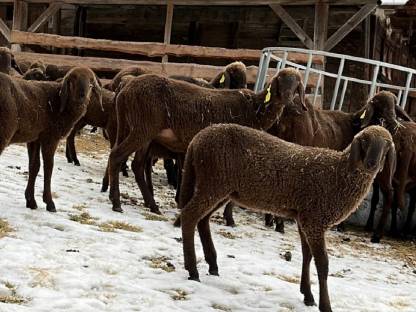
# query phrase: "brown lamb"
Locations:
[[40, 114], [170, 112], [336, 129], [266, 174]]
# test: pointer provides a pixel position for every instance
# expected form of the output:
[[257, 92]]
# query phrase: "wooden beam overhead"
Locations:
[[106, 65], [4, 30], [353, 22], [45, 16], [19, 19], [291, 23], [168, 26], [150, 49]]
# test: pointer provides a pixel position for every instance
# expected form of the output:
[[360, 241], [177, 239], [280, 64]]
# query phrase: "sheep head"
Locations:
[[232, 77], [382, 107], [7, 61], [281, 91], [371, 149], [78, 85], [35, 74]]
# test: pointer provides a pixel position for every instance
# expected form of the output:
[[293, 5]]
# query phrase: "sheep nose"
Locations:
[[371, 163]]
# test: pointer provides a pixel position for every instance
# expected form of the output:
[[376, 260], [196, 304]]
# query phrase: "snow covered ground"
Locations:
[[76, 259]]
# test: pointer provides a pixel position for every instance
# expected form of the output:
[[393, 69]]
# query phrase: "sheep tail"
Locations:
[[188, 180]]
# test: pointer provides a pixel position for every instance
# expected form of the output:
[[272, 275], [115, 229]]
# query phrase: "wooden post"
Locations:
[[56, 27], [19, 19], [319, 37], [168, 26]]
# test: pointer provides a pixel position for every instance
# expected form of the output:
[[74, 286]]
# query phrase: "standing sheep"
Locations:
[[170, 112], [317, 187], [40, 114]]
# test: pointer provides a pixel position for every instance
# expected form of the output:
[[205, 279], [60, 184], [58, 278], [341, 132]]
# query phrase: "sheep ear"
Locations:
[[366, 115], [400, 112], [301, 91], [221, 81], [355, 154], [64, 94]]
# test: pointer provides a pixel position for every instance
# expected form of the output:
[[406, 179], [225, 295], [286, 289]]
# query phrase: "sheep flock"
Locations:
[[270, 153]]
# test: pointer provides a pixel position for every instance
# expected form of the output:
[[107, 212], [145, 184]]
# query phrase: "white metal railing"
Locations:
[[282, 62]]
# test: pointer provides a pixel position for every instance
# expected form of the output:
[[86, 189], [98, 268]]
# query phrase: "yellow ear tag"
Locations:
[[268, 95], [222, 78], [363, 114]]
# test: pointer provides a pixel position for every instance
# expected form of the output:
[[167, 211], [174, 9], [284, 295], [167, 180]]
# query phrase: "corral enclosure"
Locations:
[[87, 258]]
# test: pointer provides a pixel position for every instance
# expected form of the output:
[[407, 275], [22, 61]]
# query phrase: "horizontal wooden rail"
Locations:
[[108, 65], [150, 49]]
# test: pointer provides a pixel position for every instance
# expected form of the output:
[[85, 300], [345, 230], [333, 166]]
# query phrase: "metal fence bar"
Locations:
[[259, 72], [279, 63], [399, 97], [335, 94], [308, 69], [284, 59], [374, 80], [318, 84], [344, 89], [406, 91]]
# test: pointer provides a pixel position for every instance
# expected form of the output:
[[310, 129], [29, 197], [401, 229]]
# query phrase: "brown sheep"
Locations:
[[170, 112], [336, 129], [8, 62], [317, 187], [404, 138], [40, 114]]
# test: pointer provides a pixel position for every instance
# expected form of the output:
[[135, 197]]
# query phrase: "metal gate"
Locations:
[[269, 55]]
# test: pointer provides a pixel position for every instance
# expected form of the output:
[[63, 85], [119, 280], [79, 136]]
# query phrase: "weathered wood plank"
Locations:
[[5, 31], [353, 22], [19, 19], [150, 49], [107, 65], [291, 23], [168, 26], [321, 25], [45, 16]]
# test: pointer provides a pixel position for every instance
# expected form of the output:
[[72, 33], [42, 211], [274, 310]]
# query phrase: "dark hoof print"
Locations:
[[194, 278], [375, 240], [118, 209], [51, 208]]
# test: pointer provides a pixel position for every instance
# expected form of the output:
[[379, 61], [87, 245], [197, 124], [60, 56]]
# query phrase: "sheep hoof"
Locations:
[[231, 224], [177, 222], [309, 302], [117, 209], [31, 204], [375, 239], [104, 188], [76, 163], [69, 161], [214, 272], [194, 278], [125, 174], [368, 228], [50, 207], [155, 211]]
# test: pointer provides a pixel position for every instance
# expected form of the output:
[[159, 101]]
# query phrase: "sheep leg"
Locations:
[[138, 166], [180, 161], [118, 154], [268, 220], [48, 152], [410, 212], [305, 283], [208, 245], [228, 214], [71, 153], [317, 244], [196, 209], [393, 227], [169, 166], [148, 172], [388, 199], [280, 224], [374, 202], [33, 149]]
